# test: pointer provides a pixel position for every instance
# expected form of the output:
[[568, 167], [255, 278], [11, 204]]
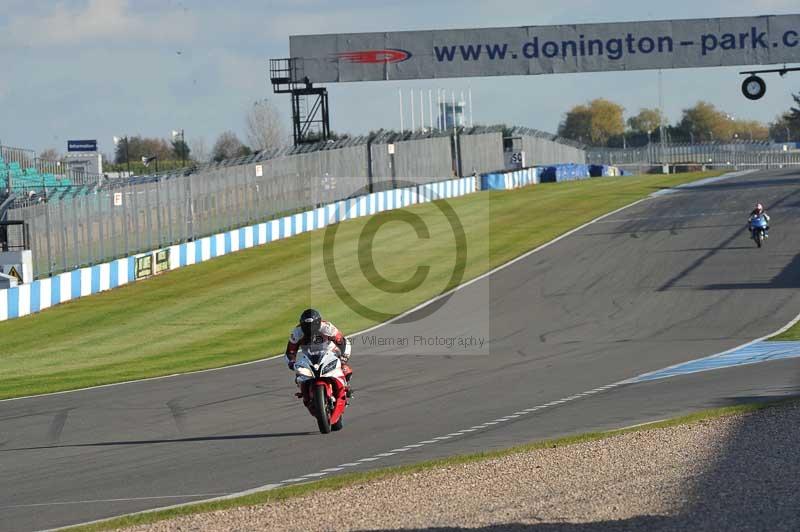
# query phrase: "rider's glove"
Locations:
[[291, 365]]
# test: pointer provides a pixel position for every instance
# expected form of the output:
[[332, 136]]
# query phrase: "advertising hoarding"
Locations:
[[530, 50]]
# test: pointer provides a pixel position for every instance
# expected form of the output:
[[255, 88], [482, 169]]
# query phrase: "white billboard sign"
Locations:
[[527, 50]]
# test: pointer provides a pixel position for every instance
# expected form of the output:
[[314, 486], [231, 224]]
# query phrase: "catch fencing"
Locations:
[[418, 159], [119, 221], [481, 151], [737, 155], [544, 149], [83, 226]]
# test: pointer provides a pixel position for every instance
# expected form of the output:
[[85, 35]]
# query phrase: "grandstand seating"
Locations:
[[24, 180]]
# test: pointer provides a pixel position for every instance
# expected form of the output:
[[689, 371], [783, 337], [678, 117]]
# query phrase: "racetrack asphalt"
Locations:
[[670, 279]]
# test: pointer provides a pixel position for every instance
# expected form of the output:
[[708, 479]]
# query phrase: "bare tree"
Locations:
[[264, 126], [199, 149], [50, 154], [228, 146]]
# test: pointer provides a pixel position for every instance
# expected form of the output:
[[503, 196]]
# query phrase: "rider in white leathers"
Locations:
[[312, 327]]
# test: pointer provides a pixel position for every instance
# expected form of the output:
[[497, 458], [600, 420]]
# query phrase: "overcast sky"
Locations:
[[98, 68]]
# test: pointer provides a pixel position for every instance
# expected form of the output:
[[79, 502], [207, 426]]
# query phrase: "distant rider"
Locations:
[[756, 213], [313, 329]]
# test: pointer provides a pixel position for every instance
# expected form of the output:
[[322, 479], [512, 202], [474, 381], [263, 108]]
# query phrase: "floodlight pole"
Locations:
[[127, 156], [400, 93]]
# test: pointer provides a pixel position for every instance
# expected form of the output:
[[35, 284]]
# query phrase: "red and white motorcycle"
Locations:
[[323, 386]]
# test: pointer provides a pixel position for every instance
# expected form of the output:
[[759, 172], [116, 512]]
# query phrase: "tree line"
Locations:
[[264, 130], [601, 122]]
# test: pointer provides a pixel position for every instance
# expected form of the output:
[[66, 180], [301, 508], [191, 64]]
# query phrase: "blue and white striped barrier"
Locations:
[[559, 173], [510, 180], [603, 170], [45, 293]]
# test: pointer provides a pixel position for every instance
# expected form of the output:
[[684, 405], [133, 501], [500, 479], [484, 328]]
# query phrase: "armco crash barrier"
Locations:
[[45, 293]]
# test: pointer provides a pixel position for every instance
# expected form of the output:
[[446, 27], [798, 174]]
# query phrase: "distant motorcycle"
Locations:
[[758, 229], [323, 386]]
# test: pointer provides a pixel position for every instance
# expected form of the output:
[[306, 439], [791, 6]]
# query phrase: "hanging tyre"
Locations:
[[754, 88]]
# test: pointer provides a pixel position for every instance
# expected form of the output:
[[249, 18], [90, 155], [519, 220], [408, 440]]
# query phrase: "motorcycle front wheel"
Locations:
[[759, 238], [321, 409]]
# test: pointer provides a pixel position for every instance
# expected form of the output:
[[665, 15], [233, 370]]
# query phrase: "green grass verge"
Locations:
[[350, 479], [792, 333], [240, 307]]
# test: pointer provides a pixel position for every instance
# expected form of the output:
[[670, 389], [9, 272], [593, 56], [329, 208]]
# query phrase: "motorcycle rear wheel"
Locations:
[[321, 408]]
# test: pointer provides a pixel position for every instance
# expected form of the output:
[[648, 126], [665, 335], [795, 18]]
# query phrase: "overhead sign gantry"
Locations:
[[532, 50]]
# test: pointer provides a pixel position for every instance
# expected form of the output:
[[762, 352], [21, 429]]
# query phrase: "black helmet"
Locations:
[[310, 322]]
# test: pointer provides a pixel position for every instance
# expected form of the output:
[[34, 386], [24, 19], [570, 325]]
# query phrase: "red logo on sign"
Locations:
[[375, 56]]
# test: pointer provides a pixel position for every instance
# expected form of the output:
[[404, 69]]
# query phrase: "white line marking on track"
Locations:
[[129, 499], [314, 476], [462, 432], [642, 424]]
